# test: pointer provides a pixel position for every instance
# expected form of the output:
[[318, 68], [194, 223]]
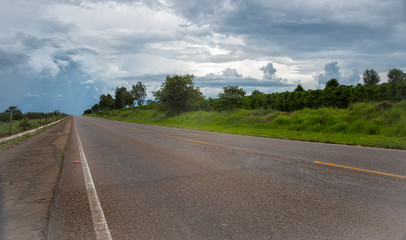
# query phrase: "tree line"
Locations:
[[17, 114], [25, 121], [122, 98], [179, 94]]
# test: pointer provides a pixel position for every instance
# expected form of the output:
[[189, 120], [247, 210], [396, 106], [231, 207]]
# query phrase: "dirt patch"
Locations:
[[29, 172]]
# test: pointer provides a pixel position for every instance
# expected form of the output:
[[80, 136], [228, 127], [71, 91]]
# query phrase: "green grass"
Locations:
[[15, 141], [17, 126], [367, 124]]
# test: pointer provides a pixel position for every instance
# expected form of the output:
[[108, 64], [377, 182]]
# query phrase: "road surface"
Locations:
[[168, 183]]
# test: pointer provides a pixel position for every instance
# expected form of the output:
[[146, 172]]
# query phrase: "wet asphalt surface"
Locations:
[[167, 183]]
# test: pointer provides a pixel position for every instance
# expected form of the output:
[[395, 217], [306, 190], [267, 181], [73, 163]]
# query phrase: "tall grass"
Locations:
[[368, 124]]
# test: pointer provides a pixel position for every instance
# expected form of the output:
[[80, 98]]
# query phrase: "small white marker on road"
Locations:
[[99, 221]]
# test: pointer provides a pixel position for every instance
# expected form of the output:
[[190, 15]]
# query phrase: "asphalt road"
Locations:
[[167, 183]]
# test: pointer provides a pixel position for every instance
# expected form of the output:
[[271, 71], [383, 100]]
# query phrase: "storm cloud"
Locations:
[[65, 54]]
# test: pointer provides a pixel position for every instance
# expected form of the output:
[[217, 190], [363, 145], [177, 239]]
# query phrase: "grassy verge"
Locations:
[[17, 126], [14, 141], [367, 124]]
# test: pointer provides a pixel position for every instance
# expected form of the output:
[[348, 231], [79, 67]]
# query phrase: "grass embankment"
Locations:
[[367, 124]]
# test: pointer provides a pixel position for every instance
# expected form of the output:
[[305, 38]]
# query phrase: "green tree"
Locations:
[[256, 93], [396, 75], [370, 77], [95, 108], [106, 102], [332, 83], [179, 94], [231, 96], [138, 92], [17, 114], [123, 98], [299, 88]]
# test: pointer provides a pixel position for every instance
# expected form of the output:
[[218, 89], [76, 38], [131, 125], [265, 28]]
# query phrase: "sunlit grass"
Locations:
[[366, 124]]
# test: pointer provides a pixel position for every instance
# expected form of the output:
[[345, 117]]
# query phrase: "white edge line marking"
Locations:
[[99, 221]]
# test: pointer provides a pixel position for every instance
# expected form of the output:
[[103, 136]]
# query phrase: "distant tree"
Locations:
[[299, 88], [149, 102], [87, 111], [231, 96], [178, 94], [96, 108], [332, 83], [396, 75], [256, 93], [106, 102], [17, 114], [138, 93], [370, 77], [122, 98], [256, 100], [11, 109]]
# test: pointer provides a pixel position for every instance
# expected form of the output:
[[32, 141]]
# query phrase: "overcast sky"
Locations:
[[63, 54]]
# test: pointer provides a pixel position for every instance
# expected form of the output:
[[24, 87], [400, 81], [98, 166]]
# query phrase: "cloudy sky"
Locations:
[[63, 54]]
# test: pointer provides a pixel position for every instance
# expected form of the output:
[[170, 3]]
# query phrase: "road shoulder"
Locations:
[[29, 173]]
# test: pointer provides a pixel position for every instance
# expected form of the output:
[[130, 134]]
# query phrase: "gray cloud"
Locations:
[[269, 83], [52, 46], [331, 70], [270, 75]]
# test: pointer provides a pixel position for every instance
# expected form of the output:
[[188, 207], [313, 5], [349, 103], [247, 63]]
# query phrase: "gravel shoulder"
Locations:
[[29, 174]]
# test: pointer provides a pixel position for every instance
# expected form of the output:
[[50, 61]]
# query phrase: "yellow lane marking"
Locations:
[[139, 130], [179, 138], [362, 170], [186, 139]]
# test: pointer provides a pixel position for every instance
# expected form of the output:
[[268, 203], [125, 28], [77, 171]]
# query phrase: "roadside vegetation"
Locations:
[[371, 114], [21, 122]]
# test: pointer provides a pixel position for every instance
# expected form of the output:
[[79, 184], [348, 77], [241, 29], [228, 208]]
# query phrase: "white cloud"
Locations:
[[114, 43], [41, 61], [90, 81]]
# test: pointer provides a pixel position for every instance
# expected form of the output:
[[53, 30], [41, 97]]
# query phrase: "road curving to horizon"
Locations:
[[168, 183]]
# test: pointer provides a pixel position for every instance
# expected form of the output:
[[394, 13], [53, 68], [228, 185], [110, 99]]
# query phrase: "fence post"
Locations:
[[11, 120]]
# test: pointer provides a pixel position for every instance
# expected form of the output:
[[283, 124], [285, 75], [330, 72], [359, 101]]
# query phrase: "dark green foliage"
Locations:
[[96, 108], [332, 83], [122, 98], [87, 111], [230, 98], [138, 93], [370, 77], [17, 114], [179, 94], [396, 75], [299, 88], [339, 97], [106, 102]]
